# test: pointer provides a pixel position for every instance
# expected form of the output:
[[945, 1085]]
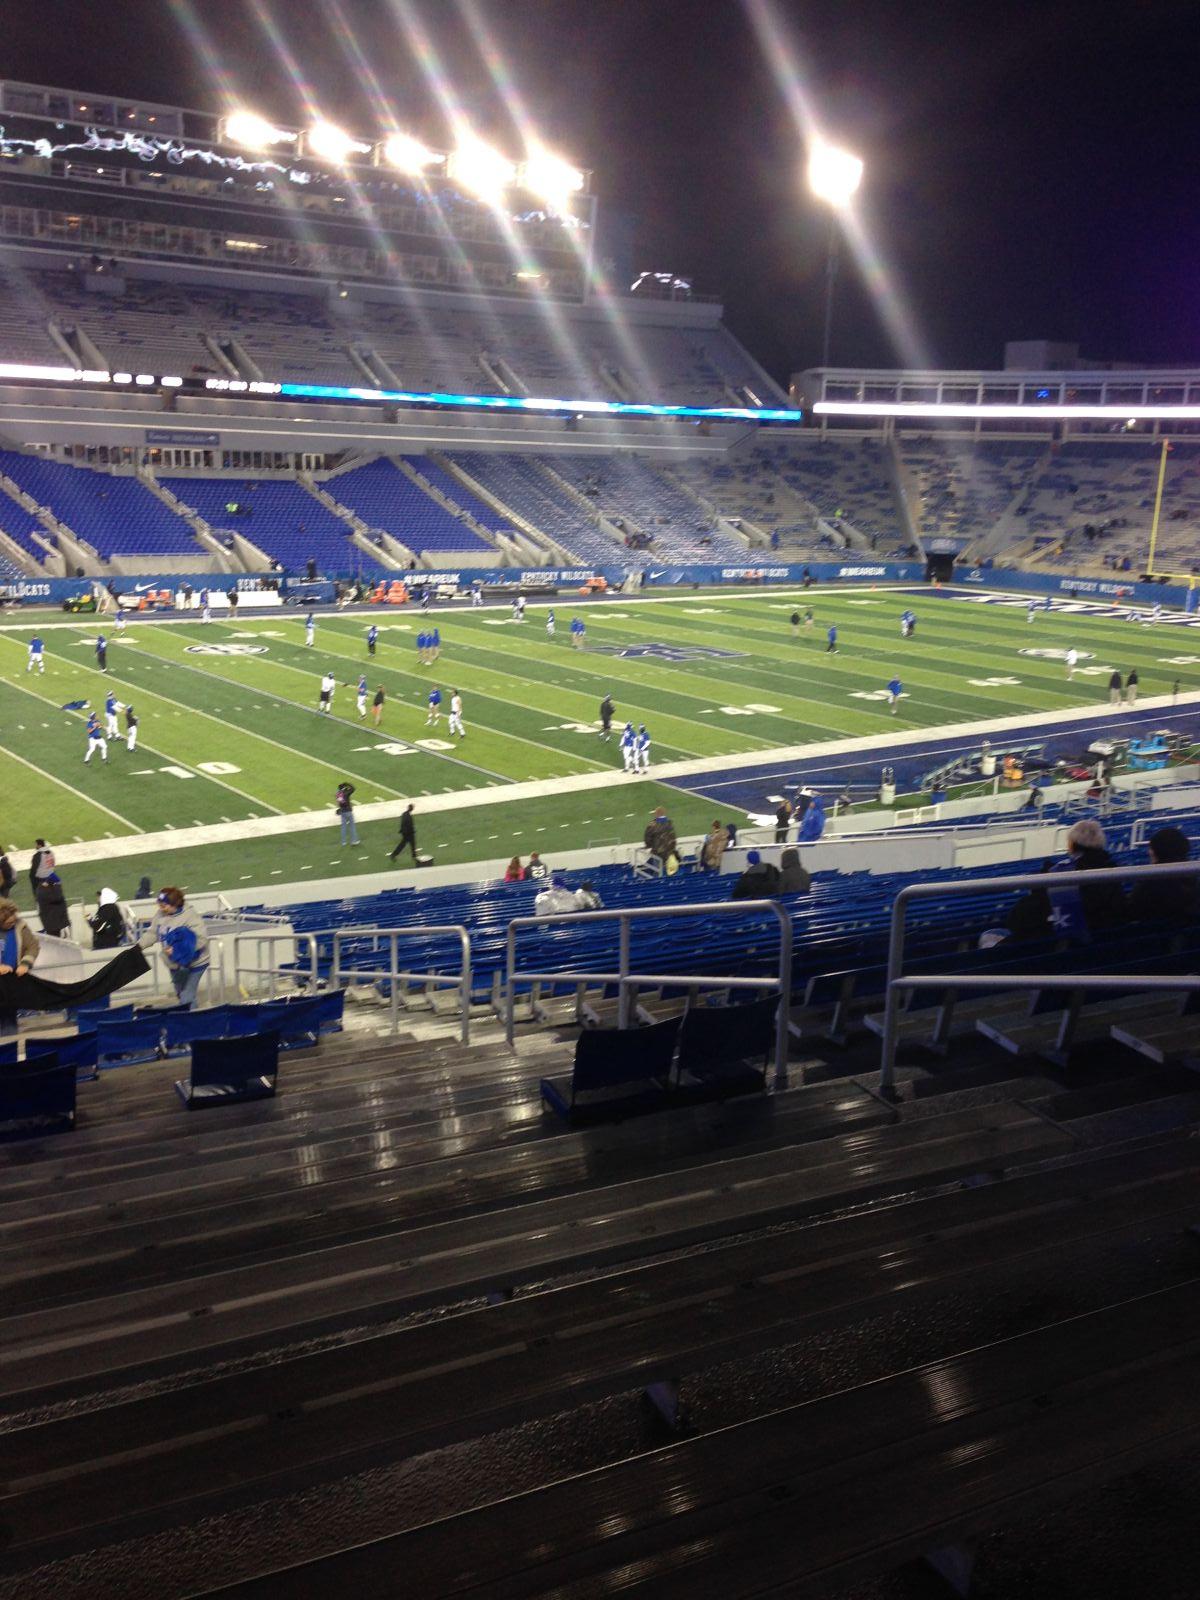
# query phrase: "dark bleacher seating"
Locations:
[[615, 1074], [36, 1094], [723, 1050], [226, 1071]]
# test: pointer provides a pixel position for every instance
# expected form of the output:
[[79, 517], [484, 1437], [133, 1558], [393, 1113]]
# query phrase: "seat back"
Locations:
[[135, 1040], [80, 1050], [38, 1090], [609, 1058], [298, 1022], [716, 1039], [214, 1022], [87, 1017], [228, 1070]]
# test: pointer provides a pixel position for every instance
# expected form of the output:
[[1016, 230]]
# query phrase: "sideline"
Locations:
[[462, 800]]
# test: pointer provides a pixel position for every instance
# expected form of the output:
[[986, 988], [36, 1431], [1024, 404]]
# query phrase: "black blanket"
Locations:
[[32, 993]]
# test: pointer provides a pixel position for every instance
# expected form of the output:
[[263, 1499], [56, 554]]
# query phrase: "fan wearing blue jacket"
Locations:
[[181, 934]]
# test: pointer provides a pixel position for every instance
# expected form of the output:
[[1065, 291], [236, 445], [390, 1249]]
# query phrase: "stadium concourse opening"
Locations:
[[624, 853]]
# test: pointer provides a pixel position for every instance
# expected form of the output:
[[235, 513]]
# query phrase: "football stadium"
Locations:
[[599, 925]]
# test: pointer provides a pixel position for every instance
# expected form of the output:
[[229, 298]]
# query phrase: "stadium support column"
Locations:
[[1158, 494], [831, 272]]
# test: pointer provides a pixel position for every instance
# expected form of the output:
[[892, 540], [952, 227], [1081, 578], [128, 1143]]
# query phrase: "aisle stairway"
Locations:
[[235, 1341]]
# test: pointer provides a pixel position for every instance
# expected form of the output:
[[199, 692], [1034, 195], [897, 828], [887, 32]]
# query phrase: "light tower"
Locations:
[[833, 176]]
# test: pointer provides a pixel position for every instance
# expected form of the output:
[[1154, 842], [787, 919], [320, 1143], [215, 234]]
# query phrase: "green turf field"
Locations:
[[229, 729]]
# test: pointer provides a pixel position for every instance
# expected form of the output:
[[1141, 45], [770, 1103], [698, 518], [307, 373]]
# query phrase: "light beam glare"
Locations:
[[791, 79]]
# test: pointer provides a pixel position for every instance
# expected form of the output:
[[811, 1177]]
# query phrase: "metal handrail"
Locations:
[[272, 969], [310, 942], [626, 980], [897, 983], [460, 981]]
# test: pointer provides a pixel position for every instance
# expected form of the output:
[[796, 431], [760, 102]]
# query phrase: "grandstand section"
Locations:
[[514, 1171]]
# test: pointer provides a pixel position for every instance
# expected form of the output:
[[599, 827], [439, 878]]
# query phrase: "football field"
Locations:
[[230, 736]]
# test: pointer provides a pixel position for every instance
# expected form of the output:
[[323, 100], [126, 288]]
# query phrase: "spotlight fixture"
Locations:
[[407, 154], [551, 178], [833, 174], [480, 169], [254, 132], [327, 142]]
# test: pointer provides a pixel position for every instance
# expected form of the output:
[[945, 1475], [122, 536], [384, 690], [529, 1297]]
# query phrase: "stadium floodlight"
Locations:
[[552, 179], [254, 132], [407, 154], [834, 174], [481, 170], [327, 142]]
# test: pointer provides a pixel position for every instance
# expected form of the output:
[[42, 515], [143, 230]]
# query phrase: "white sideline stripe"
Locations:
[[307, 821]]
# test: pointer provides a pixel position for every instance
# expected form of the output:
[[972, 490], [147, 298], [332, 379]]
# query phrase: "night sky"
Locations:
[[1032, 169]]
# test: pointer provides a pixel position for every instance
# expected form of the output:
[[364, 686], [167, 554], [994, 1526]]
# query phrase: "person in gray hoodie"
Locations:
[[181, 933]]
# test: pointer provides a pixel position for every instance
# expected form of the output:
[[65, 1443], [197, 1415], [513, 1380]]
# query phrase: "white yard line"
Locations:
[[308, 821], [87, 799], [164, 755]]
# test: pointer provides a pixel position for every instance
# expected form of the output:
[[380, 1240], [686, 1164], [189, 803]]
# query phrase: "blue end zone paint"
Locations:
[[911, 757]]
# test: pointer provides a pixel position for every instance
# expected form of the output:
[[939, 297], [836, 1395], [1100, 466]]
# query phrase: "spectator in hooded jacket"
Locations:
[[1170, 902], [108, 924], [760, 880], [792, 877], [52, 907]]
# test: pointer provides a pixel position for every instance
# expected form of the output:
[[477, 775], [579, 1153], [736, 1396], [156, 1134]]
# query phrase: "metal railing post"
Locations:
[[996, 886], [465, 939], [394, 1005], [509, 985], [782, 1016], [623, 993], [891, 1014]]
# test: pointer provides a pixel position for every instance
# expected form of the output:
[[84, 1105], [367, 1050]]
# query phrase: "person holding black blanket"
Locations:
[[23, 990]]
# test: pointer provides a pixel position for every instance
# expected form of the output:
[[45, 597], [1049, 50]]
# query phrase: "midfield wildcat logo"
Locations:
[[667, 652], [226, 649]]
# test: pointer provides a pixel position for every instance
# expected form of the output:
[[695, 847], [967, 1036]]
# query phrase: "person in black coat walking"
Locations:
[[52, 907], [408, 836], [39, 852]]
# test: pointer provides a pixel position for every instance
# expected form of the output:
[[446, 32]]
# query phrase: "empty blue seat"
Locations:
[[135, 1039], [79, 1050]]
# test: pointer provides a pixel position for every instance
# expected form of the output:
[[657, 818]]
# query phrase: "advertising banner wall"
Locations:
[[56, 591]]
